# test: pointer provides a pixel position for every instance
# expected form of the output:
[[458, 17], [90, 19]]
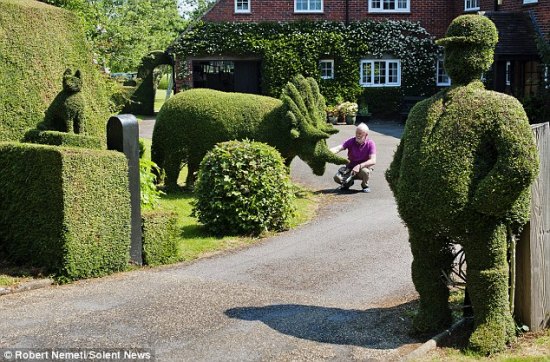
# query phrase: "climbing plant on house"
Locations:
[[287, 49]]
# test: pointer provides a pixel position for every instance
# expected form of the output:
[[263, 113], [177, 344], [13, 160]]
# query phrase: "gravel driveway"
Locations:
[[338, 288]]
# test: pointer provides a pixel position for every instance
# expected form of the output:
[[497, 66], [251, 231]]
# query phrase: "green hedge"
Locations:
[[159, 237], [37, 43], [55, 138], [66, 210]]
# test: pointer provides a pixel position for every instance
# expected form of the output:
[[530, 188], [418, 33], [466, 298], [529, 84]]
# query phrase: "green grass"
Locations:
[[160, 97], [194, 242]]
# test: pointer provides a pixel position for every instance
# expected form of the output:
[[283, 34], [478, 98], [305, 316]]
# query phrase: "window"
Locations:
[[242, 6], [388, 6], [327, 68], [308, 6], [380, 73], [530, 1], [470, 5], [442, 78]]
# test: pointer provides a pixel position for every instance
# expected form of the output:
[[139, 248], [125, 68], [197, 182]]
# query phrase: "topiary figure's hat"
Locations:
[[471, 29]]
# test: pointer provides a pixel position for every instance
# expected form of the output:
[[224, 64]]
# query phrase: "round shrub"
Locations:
[[243, 187]]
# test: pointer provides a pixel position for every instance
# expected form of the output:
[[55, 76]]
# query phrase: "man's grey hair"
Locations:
[[363, 127]]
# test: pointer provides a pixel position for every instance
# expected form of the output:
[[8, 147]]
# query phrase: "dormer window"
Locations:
[[242, 6], [389, 6], [471, 5], [308, 6]]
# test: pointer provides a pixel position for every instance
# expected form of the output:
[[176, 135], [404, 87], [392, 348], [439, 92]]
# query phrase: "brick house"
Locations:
[[517, 69]]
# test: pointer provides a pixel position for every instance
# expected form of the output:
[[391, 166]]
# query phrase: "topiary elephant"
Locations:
[[190, 123], [461, 174]]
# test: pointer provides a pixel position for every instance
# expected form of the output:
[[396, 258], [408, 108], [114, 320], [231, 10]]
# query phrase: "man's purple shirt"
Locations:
[[359, 153]]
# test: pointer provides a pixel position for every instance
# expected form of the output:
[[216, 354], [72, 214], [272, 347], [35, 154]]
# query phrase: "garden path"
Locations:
[[338, 288]]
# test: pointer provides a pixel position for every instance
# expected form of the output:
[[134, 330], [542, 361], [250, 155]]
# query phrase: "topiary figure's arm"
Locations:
[[516, 165]]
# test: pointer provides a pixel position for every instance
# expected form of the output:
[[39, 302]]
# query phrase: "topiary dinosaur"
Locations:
[[461, 174], [190, 123], [66, 112]]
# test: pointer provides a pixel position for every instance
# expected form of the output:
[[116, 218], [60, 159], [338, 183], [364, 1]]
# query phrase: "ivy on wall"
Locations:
[[287, 49]]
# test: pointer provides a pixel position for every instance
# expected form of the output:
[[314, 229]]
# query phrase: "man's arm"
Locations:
[[337, 149], [368, 163]]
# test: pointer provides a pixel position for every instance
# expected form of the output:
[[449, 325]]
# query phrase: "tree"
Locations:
[[122, 32]]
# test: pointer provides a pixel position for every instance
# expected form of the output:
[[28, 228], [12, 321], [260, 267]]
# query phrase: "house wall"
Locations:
[[434, 16]]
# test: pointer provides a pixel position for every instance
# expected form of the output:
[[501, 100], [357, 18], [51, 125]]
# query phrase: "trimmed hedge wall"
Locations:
[[37, 43], [55, 138], [66, 210], [159, 237]]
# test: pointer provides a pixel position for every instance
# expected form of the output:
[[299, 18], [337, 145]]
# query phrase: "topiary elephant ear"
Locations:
[[306, 109]]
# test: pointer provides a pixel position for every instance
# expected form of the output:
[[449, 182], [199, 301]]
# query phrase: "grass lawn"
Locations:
[[194, 242]]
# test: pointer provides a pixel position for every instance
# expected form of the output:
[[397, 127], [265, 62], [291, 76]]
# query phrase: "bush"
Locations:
[[382, 102], [64, 209], [243, 188], [159, 237], [55, 138], [150, 195]]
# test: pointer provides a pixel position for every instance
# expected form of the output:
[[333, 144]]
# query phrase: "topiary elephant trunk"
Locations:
[[192, 122]]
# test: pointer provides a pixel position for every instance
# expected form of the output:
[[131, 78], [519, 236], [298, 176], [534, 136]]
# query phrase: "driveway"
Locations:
[[338, 288]]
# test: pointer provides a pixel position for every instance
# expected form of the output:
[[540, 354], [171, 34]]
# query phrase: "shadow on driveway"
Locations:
[[377, 328]]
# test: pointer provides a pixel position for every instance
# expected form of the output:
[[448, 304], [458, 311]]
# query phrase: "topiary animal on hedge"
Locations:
[[190, 123], [461, 174], [66, 113], [243, 188]]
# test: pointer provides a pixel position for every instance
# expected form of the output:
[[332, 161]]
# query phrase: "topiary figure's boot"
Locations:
[[494, 325], [431, 256]]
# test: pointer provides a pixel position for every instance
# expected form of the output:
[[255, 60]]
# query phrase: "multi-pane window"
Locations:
[[327, 68], [471, 5], [242, 6], [380, 73], [378, 6], [442, 78], [309, 6]]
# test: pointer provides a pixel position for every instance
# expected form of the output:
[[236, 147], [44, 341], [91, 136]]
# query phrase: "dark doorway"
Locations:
[[227, 75]]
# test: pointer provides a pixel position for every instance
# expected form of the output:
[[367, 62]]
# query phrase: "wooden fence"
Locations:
[[532, 302]]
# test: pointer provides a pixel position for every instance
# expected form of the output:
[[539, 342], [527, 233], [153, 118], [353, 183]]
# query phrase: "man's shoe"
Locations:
[[366, 189], [342, 188]]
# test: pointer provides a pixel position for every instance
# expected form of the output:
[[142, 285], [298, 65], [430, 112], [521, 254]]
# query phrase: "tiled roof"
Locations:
[[515, 33]]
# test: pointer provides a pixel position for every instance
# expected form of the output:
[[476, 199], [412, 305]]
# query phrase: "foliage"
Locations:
[[150, 194], [159, 237], [55, 138], [243, 188], [192, 122], [348, 108], [33, 61], [121, 32], [384, 102], [287, 49], [53, 209]]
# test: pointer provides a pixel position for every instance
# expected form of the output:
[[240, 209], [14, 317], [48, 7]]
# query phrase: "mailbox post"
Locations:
[[123, 136]]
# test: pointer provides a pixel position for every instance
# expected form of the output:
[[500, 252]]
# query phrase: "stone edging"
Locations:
[[30, 285]]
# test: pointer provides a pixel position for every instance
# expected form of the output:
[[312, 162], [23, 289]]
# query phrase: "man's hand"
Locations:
[[356, 169]]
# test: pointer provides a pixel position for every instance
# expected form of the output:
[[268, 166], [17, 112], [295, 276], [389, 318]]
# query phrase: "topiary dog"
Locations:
[[66, 112], [462, 174]]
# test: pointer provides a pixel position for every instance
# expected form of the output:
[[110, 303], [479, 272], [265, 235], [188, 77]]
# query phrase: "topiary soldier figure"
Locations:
[[461, 174]]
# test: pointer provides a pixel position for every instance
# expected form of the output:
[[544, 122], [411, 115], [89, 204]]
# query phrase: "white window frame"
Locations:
[[530, 2], [438, 67], [469, 5], [308, 10], [242, 11], [331, 62], [371, 63], [380, 9]]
